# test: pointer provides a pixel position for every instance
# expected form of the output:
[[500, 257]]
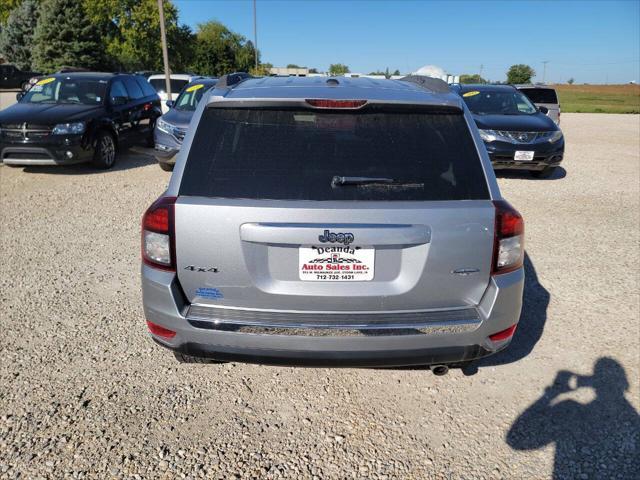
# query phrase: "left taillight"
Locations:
[[508, 247], [158, 235]]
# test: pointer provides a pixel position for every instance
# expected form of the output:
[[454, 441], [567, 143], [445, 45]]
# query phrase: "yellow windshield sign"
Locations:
[[44, 81], [193, 88], [471, 93]]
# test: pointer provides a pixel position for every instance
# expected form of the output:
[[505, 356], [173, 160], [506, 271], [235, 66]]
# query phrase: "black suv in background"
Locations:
[[12, 77], [518, 135], [78, 117]]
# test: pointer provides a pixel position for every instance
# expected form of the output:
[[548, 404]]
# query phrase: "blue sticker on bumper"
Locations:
[[209, 293]]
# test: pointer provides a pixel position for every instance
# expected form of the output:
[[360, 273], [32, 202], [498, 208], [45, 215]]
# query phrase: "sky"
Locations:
[[589, 41]]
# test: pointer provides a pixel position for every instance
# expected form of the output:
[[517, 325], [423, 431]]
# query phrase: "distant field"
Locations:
[[599, 98]]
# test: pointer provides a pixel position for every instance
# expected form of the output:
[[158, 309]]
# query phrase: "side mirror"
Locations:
[[119, 100], [169, 103], [544, 110], [19, 96]]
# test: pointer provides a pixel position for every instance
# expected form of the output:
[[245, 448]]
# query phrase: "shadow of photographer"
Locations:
[[599, 439]]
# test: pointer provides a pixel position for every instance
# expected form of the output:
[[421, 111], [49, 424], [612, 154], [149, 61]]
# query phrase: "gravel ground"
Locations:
[[84, 393]]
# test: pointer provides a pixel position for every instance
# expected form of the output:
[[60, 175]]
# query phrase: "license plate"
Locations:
[[336, 264], [523, 155]]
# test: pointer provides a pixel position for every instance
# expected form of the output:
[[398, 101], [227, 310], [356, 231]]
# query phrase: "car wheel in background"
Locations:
[[545, 173], [167, 167], [104, 156]]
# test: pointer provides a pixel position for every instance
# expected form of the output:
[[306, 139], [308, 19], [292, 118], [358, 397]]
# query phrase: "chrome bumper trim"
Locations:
[[334, 324]]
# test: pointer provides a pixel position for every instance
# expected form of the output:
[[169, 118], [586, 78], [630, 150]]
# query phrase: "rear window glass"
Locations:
[[541, 95], [146, 87], [135, 92], [295, 155], [161, 87]]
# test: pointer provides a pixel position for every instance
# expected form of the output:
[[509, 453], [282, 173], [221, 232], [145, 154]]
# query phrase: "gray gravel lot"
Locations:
[[84, 393]]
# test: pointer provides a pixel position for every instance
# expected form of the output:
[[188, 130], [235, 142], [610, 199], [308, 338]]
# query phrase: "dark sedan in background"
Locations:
[[78, 117], [172, 126], [517, 134]]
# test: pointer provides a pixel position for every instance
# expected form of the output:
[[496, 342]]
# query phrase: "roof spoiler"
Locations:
[[436, 85], [232, 79]]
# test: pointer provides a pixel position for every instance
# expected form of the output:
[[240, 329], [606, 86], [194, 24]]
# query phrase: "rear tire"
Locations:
[[184, 358], [104, 156], [167, 167], [545, 173]]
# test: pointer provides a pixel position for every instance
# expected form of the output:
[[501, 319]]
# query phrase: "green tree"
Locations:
[[219, 50], [6, 7], [471, 78], [520, 73], [338, 69], [377, 72], [17, 35], [131, 31], [293, 65], [396, 72], [313, 70], [65, 36], [571, 81], [263, 70]]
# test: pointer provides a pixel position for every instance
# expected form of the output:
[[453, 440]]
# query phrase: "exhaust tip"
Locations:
[[440, 370]]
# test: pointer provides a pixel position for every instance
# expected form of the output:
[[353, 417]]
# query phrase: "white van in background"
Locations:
[[543, 96], [178, 81]]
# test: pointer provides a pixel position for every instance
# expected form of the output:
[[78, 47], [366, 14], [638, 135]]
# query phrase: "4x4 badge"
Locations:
[[328, 236], [193, 268]]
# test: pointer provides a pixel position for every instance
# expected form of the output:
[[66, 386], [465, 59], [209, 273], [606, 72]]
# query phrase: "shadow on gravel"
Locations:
[[530, 327], [126, 160], [558, 174], [600, 439]]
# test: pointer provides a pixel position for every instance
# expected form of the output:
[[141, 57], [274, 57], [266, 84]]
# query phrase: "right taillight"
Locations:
[[158, 239], [508, 245]]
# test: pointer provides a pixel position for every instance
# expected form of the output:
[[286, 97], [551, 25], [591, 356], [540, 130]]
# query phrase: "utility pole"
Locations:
[[255, 33], [544, 71], [165, 53]]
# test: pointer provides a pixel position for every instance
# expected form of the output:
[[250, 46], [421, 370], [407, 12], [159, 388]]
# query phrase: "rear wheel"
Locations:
[[184, 358], [104, 156], [167, 167], [545, 173]]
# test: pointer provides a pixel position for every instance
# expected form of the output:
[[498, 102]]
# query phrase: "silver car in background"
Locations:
[[171, 128], [543, 96], [332, 222]]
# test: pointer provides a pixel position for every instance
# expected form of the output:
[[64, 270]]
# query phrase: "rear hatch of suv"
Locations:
[[365, 209], [544, 97]]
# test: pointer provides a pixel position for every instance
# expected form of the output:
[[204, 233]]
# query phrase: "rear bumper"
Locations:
[[359, 358], [432, 340]]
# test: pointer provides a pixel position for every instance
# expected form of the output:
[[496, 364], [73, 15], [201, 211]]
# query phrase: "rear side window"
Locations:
[[118, 90], [541, 95], [295, 155], [133, 88], [146, 87]]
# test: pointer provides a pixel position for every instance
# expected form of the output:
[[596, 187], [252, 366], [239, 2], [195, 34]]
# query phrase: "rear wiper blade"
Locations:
[[338, 181]]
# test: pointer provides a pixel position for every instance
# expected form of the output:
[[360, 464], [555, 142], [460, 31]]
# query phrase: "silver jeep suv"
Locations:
[[332, 222]]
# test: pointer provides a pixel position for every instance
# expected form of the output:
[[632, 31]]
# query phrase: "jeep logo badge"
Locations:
[[345, 238]]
